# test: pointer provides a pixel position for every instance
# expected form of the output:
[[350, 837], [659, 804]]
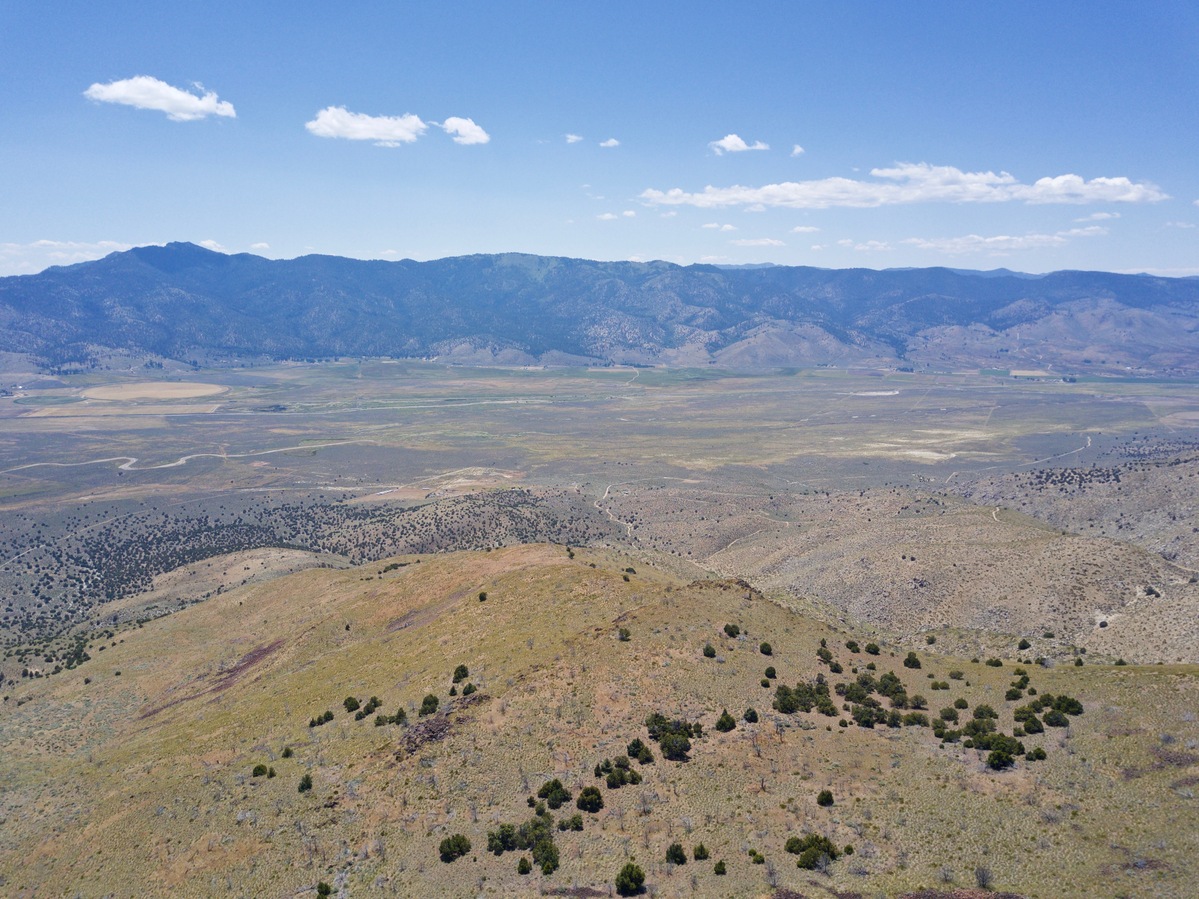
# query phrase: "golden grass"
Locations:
[[154, 390], [140, 784]]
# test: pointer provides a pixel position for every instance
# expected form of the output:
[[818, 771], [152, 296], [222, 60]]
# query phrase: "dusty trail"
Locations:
[[130, 462]]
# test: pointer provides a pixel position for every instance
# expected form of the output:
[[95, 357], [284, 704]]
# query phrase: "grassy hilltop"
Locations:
[[135, 774]]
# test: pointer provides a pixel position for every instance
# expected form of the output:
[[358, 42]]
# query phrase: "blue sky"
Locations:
[[1033, 136]]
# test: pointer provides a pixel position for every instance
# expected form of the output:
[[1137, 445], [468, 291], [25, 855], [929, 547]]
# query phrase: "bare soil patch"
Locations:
[[154, 390]]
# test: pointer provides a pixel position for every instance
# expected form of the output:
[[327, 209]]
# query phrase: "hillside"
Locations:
[[134, 774], [183, 303]]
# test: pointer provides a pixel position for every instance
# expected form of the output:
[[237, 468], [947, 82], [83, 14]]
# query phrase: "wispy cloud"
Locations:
[[607, 216], [757, 242], [1099, 217], [716, 226], [573, 138], [804, 229], [797, 150], [214, 246], [610, 142], [1002, 243], [145, 92], [1184, 225], [385, 131], [261, 245], [907, 183], [30, 258], [731, 143], [629, 213], [465, 131]]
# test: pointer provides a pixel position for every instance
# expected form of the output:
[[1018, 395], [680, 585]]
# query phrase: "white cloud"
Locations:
[[385, 131], [908, 183], [629, 213], [573, 138], [465, 131], [731, 143], [1002, 243], [872, 246], [145, 92], [1186, 225], [1099, 217], [757, 242], [607, 216], [716, 226], [610, 142], [797, 150], [667, 215], [713, 258], [804, 229], [260, 246], [213, 245], [30, 258]]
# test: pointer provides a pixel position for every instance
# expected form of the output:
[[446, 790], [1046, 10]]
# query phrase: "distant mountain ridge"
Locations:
[[184, 302]]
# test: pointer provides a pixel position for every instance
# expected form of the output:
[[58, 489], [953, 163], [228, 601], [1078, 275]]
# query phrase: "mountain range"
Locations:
[[185, 303]]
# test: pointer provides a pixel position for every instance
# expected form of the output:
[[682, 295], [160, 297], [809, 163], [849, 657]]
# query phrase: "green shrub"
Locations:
[[766, 649], [700, 853], [639, 751], [824, 798], [469, 689], [960, 703], [930, 639], [852, 646], [751, 716], [999, 759], [629, 880], [995, 663], [949, 714], [675, 854], [911, 661], [429, 705], [524, 866], [725, 722], [454, 847], [554, 794], [1023, 644], [323, 889], [461, 673], [812, 850], [956, 675], [1054, 718], [623, 634], [574, 822], [259, 771], [709, 651], [287, 753], [770, 672], [590, 800], [719, 869], [872, 649], [732, 630], [305, 783], [351, 704]]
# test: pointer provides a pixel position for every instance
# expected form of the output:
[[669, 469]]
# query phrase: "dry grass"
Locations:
[[140, 784]]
